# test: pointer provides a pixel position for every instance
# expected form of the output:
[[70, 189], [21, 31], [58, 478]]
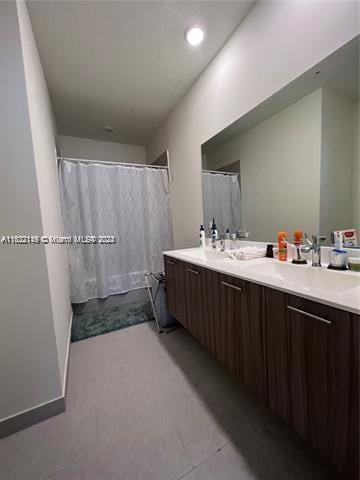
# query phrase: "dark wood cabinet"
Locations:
[[320, 376], [193, 294], [175, 288], [228, 294], [253, 351], [199, 304], [278, 367], [354, 419], [189, 291], [310, 355], [300, 356], [238, 319]]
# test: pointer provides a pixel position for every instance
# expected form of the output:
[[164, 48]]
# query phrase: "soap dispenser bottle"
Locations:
[[214, 229], [214, 234], [202, 237]]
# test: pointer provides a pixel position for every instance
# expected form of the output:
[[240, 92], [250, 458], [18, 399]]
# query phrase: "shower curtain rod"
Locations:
[[220, 172], [135, 165]]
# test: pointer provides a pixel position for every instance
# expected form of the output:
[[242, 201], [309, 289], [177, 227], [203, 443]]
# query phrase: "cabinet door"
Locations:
[[228, 294], [278, 362], [199, 300], [309, 371], [240, 342], [253, 339], [175, 288], [354, 434], [320, 382]]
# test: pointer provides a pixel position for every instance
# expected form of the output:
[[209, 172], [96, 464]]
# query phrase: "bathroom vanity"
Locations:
[[291, 333]]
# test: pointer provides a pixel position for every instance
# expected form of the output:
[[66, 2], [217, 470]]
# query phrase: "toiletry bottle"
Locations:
[[338, 240], [213, 234], [269, 251], [227, 240], [282, 245], [214, 229], [233, 241], [202, 237]]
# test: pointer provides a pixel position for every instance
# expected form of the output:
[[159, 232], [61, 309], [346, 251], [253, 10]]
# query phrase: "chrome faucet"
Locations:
[[315, 248]]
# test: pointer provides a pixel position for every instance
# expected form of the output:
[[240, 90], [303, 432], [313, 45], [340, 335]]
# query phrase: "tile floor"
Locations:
[[144, 407]]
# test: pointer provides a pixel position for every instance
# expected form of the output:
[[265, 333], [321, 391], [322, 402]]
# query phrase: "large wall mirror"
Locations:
[[294, 161]]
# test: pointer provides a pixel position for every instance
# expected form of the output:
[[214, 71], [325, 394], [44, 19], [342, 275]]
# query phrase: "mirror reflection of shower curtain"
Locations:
[[222, 201], [131, 203]]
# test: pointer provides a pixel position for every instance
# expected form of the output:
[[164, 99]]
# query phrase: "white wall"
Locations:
[[43, 131], [337, 162], [76, 147], [276, 42], [29, 366], [278, 157]]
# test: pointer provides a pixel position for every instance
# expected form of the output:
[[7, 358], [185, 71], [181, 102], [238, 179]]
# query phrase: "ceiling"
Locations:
[[125, 64]]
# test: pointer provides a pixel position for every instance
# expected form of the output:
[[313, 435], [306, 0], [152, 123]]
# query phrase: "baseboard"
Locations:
[[26, 419], [37, 414]]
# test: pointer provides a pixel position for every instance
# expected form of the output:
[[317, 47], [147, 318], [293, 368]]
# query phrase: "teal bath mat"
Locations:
[[90, 324]]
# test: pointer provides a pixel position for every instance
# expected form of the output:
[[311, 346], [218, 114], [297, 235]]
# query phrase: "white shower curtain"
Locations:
[[222, 201], [131, 203]]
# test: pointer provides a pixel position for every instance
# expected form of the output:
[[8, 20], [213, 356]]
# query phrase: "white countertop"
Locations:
[[336, 289]]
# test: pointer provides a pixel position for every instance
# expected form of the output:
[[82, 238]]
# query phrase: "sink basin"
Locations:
[[307, 276], [201, 254]]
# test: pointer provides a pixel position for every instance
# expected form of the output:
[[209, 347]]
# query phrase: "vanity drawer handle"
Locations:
[[170, 262], [195, 272], [239, 289], [306, 314]]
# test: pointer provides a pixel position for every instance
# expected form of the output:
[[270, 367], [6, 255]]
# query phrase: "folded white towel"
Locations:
[[246, 253]]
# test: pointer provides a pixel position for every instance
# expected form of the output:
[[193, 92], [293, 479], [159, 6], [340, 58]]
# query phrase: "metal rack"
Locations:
[[155, 282]]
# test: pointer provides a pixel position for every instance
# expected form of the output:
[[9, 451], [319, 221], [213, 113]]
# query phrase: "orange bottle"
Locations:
[[298, 237], [282, 245]]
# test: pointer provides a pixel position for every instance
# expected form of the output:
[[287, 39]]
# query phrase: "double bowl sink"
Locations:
[[304, 276]]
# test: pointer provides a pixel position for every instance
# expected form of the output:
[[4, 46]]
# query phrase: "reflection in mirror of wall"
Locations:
[[293, 162]]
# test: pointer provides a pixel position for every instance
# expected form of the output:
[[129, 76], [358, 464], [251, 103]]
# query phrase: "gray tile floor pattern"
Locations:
[[144, 407]]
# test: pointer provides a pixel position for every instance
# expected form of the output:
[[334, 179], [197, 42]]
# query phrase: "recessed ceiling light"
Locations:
[[194, 36], [108, 129]]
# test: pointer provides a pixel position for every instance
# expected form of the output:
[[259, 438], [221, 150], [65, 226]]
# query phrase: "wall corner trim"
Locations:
[[66, 376]]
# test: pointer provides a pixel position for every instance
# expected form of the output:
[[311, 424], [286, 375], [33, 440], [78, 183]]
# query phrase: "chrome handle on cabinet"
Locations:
[[170, 262], [195, 272], [239, 289], [310, 315]]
